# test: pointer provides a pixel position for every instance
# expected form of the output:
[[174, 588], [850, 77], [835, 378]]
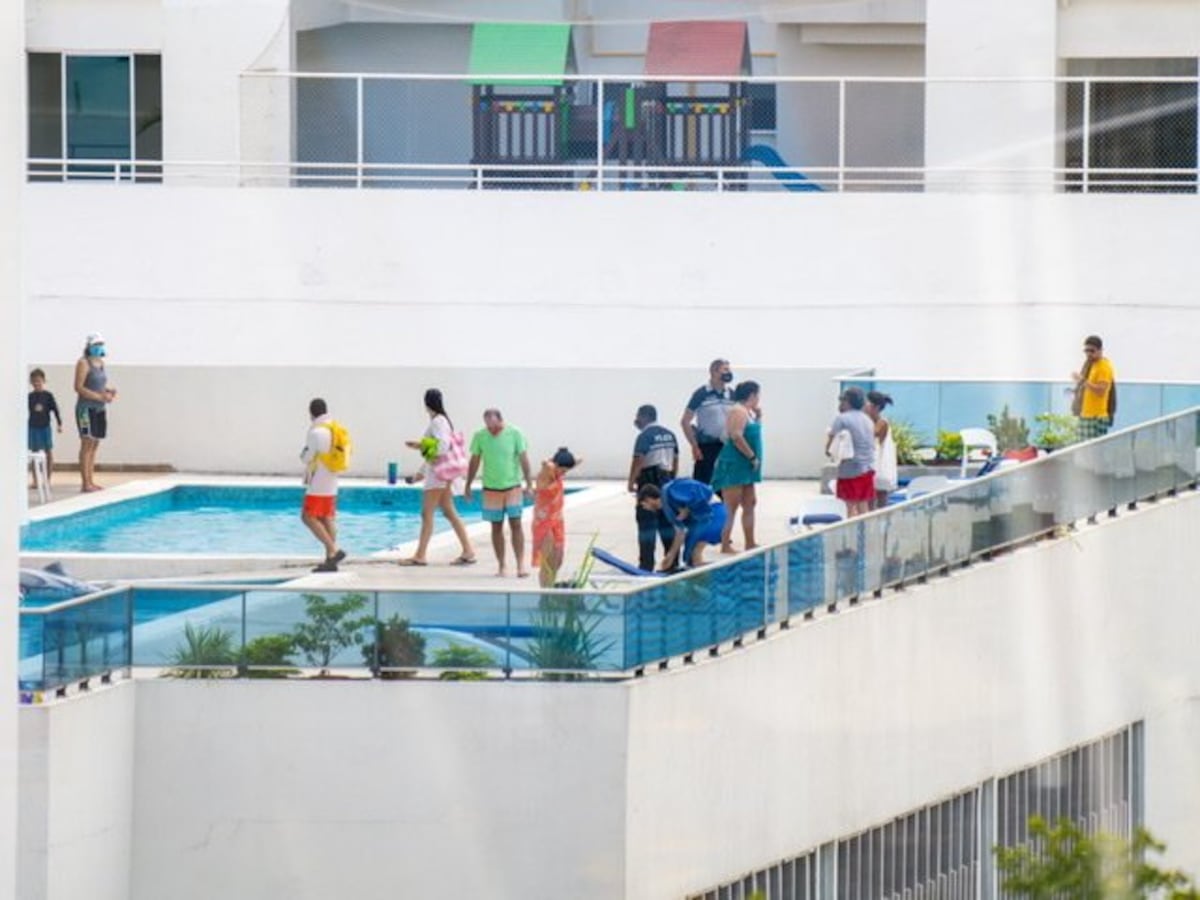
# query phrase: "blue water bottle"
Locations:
[[393, 473]]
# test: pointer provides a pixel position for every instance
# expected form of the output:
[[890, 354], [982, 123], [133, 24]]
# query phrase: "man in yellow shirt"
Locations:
[[1095, 391]]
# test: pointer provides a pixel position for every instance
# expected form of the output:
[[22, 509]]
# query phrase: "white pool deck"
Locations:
[[605, 510]]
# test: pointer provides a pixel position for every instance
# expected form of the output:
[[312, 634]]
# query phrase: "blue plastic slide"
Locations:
[[767, 156], [620, 565]]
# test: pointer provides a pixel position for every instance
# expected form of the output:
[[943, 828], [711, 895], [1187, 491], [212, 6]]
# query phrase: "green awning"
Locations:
[[500, 48]]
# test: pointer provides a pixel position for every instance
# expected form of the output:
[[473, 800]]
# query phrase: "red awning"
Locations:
[[720, 49]]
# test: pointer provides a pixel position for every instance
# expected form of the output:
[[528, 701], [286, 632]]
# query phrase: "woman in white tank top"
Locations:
[[885, 448]]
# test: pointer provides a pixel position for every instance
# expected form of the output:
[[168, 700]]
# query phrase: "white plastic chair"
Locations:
[[976, 438], [816, 511], [37, 459]]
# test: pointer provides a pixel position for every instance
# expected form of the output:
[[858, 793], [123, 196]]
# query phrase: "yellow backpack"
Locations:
[[337, 457]]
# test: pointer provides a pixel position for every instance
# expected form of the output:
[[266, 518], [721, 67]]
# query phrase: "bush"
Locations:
[[949, 446], [564, 637], [273, 653], [460, 656], [398, 647], [329, 630], [1054, 430], [907, 442], [207, 647]]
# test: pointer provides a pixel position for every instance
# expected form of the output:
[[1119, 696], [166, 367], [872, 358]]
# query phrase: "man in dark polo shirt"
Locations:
[[703, 421], [655, 461]]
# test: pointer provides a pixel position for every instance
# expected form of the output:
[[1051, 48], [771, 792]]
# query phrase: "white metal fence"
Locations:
[[944, 851], [797, 135]]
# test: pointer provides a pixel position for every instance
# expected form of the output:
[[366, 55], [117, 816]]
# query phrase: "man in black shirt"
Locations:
[[703, 421], [655, 461]]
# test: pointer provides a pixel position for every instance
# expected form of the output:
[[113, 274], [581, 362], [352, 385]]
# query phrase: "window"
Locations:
[[762, 106], [102, 108]]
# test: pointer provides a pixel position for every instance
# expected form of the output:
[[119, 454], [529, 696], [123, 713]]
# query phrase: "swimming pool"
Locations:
[[234, 520]]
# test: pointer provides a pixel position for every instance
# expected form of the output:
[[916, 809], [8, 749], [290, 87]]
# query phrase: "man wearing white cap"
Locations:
[[93, 396]]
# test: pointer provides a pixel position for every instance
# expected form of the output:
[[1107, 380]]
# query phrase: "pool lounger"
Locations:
[[621, 566]]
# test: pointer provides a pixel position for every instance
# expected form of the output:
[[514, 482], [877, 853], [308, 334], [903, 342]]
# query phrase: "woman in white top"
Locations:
[[439, 484], [885, 448]]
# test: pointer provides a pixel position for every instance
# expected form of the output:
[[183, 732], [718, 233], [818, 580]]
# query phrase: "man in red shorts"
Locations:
[[319, 512], [856, 470]]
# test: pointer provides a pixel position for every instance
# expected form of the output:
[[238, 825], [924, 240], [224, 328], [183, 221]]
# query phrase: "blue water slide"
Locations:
[[770, 158]]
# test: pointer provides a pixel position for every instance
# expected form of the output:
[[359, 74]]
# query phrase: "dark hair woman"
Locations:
[[886, 471], [739, 465], [439, 484]]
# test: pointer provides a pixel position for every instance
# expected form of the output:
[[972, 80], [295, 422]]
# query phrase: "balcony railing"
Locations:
[[634, 133], [251, 629]]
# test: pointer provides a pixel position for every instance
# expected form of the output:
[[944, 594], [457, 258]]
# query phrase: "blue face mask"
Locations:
[[96, 350]]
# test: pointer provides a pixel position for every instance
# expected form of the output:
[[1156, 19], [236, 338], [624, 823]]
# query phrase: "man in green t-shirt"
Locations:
[[501, 448]]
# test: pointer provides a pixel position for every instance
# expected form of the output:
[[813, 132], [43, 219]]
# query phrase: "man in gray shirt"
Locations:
[[856, 472]]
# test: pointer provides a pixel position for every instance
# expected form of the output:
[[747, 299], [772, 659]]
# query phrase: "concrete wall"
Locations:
[[1128, 28], [76, 798], [657, 787], [254, 419], [379, 790], [922, 285]]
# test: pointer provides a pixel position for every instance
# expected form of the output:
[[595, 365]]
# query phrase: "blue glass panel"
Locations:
[[98, 111], [1137, 403]]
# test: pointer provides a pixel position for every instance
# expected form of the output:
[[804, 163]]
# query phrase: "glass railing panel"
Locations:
[[457, 630], [967, 404], [568, 633], [196, 627], [1176, 397], [85, 639], [1154, 454], [311, 629]]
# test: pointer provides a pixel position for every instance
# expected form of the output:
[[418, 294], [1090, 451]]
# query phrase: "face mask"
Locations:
[[727, 377], [96, 350]]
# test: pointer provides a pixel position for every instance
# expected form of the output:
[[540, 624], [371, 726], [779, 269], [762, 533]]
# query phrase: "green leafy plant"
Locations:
[[210, 648], [1054, 430], [270, 655], [1011, 431], [949, 446], [457, 657], [398, 647], [1062, 860], [331, 627], [564, 637], [907, 442]]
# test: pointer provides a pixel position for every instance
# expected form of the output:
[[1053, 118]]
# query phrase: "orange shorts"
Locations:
[[320, 506]]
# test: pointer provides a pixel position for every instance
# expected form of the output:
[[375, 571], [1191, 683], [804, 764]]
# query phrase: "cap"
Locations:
[[95, 338]]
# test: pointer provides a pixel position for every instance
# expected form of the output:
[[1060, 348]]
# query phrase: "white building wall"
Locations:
[[998, 125], [937, 285], [1122, 29], [665, 785]]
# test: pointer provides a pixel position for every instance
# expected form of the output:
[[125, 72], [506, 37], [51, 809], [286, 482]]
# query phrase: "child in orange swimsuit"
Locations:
[[549, 531]]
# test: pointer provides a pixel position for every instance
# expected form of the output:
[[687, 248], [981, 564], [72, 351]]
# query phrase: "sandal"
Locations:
[[411, 561], [464, 561]]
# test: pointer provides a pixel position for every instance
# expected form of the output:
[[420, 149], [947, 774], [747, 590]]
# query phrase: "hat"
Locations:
[[95, 338]]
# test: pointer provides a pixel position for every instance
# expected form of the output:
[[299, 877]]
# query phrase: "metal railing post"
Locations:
[[358, 137], [1085, 159], [841, 177], [600, 135]]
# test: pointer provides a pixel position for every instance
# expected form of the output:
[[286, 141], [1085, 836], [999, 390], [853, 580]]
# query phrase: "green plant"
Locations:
[[1054, 430], [949, 446], [1011, 431], [564, 636], [331, 627], [1062, 860], [271, 655], [398, 647], [459, 656], [907, 442], [205, 653]]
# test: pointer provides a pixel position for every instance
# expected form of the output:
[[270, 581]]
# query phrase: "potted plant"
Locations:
[[395, 646], [564, 637], [949, 448], [331, 627], [1054, 430], [1011, 431]]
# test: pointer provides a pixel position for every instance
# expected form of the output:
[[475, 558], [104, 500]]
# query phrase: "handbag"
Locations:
[[452, 464]]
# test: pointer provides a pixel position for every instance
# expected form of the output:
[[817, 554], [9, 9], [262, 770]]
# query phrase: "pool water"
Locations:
[[231, 520]]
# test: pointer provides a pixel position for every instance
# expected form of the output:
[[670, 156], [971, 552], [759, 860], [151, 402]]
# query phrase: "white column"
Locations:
[[12, 497], [996, 125]]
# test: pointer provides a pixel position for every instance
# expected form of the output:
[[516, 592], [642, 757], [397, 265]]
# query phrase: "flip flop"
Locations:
[[464, 561], [411, 562]]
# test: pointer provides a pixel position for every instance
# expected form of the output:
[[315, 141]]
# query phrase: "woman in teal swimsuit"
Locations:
[[739, 467]]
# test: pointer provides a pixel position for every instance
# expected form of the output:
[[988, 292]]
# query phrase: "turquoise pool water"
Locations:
[[236, 521]]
